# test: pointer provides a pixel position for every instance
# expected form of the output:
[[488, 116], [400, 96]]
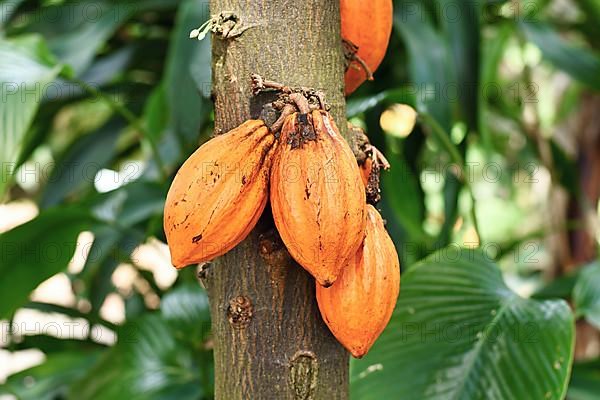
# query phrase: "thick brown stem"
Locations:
[[287, 110], [269, 339], [351, 55]]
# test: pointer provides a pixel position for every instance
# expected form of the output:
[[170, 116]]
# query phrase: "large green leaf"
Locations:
[[428, 60], [51, 379], [586, 294], [493, 49], [7, 10], [123, 208], [187, 77], [460, 21], [186, 309], [459, 333], [146, 363], [36, 250], [582, 64], [585, 381], [77, 30], [401, 189], [77, 168], [25, 72]]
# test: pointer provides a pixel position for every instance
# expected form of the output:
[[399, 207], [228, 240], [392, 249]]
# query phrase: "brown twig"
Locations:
[[351, 55], [378, 157], [315, 98], [301, 102], [286, 111]]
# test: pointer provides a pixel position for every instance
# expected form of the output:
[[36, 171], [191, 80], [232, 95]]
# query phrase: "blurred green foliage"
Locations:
[[92, 87]]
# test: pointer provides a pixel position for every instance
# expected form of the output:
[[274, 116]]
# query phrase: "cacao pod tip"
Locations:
[[359, 353], [326, 283], [179, 262]]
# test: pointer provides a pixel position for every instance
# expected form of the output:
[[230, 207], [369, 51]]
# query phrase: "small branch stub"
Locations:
[[225, 25]]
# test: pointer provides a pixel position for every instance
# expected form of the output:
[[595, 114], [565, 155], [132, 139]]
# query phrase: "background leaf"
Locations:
[[51, 379], [187, 75], [585, 381], [147, 363], [578, 62], [586, 294], [458, 332], [36, 250], [24, 74]]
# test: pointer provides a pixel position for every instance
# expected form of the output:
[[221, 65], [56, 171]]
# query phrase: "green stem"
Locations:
[[443, 137], [129, 117]]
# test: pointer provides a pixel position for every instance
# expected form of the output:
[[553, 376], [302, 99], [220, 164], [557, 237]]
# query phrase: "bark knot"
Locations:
[[304, 372], [239, 312]]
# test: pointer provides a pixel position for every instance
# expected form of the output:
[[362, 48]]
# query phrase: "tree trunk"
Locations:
[[581, 241], [269, 339]]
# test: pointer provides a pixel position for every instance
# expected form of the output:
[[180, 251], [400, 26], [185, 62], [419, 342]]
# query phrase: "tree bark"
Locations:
[[581, 241], [269, 339]]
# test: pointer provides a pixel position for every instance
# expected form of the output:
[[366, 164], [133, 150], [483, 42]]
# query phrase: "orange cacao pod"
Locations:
[[367, 25], [317, 198], [358, 306], [219, 194]]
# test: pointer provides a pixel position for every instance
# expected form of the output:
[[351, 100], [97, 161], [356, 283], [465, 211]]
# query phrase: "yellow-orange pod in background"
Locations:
[[367, 25]]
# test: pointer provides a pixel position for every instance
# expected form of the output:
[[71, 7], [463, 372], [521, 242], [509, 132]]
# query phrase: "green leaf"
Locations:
[[186, 309], [25, 72], [123, 208], [582, 64], [80, 29], [585, 381], [68, 311], [401, 189], [459, 333], [7, 10], [493, 49], [148, 362], [360, 105], [156, 114], [428, 60], [77, 168], [51, 379], [586, 294], [561, 287], [187, 77], [52, 344], [35, 251], [460, 21]]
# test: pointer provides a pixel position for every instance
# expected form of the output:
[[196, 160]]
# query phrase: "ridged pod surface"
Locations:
[[219, 194], [317, 196], [368, 25], [358, 306]]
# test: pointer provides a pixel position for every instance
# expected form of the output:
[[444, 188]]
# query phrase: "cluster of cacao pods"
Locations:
[[313, 182], [366, 30]]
